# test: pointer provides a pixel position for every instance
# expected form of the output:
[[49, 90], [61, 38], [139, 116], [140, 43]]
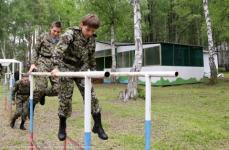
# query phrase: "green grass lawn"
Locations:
[[194, 116]]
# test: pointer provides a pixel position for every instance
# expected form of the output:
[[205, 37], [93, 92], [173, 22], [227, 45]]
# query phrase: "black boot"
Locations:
[[98, 127], [34, 105], [22, 127], [62, 129], [42, 100], [12, 122]]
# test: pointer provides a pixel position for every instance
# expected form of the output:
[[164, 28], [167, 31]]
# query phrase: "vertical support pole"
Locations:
[[87, 113], [5, 98], [65, 144], [11, 92], [20, 70], [13, 68], [147, 112], [5, 80], [31, 112], [11, 87]]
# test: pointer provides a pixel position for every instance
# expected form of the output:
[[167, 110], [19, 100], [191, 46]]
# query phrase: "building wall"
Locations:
[[186, 75]]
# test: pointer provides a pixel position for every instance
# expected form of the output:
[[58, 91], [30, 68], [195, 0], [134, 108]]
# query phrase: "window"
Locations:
[[196, 56], [125, 59], [167, 55], [151, 56], [100, 64], [181, 55], [103, 59], [103, 62], [103, 53]]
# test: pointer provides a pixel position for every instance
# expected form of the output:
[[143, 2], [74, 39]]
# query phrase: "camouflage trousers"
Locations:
[[21, 107], [65, 95], [41, 82]]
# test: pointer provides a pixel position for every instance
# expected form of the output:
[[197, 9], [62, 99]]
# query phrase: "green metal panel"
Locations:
[[103, 53], [151, 56], [167, 54], [100, 64], [196, 56], [181, 55]]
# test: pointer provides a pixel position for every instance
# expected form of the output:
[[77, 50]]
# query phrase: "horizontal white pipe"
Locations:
[[149, 73], [8, 73], [92, 74], [101, 74]]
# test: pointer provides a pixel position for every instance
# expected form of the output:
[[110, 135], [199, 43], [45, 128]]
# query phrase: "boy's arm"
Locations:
[[89, 58], [15, 89], [36, 51], [62, 45]]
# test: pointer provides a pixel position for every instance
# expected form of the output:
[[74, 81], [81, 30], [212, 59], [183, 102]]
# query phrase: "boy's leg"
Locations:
[[95, 109], [41, 84], [18, 112], [65, 104], [24, 113], [53, 90]]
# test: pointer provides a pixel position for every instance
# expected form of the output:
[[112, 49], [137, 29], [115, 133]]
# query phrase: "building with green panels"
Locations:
[[188, 60]]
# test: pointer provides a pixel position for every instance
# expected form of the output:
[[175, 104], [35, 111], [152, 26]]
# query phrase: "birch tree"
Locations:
[[211, 49], [131, 91]]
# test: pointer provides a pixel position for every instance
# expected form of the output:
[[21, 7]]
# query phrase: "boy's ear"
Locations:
[[81, 24]]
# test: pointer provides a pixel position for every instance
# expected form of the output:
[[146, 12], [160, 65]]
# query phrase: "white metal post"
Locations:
[[13, 68], [147, 112], [31, 111], [87, 113], [20, 70]]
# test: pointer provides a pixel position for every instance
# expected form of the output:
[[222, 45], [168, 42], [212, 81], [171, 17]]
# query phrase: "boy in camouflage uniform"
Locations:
[[76, 52], [20, 96], [42, 62]]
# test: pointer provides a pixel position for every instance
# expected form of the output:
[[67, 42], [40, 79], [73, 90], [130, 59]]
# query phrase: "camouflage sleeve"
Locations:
[[62, 45], [89, 58], [36, 50], [15, 89], [92, 60]]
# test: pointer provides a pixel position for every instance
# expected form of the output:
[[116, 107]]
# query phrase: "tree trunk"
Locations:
[[211, 49], [3, 50], [30, 45], [131, 91], [113, 52]]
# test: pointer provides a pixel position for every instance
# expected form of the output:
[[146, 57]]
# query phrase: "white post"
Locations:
[[31, 111], [5, 79], [13, 68], [147, 112], [20, 70], [87, 113]]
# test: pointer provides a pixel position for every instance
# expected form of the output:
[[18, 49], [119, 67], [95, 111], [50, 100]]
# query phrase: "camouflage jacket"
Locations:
[[20, 89], [44, 47], [75, 50]]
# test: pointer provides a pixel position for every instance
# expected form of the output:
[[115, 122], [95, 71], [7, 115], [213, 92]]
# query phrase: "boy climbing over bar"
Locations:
[[76, 52], [20, 96]]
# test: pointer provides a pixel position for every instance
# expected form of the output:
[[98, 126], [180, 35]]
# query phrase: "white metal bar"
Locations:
[[147, 112], [101, 74], [13, 68], [150, 73], [92, 74], [31, 112], [87, 113], [20, 70], [31, 103]]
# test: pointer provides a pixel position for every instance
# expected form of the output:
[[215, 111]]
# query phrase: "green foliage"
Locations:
[[179, 21]]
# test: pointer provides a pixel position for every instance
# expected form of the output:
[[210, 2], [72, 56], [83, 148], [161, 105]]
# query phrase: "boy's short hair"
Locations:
[[56, 24], [91, 21]]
